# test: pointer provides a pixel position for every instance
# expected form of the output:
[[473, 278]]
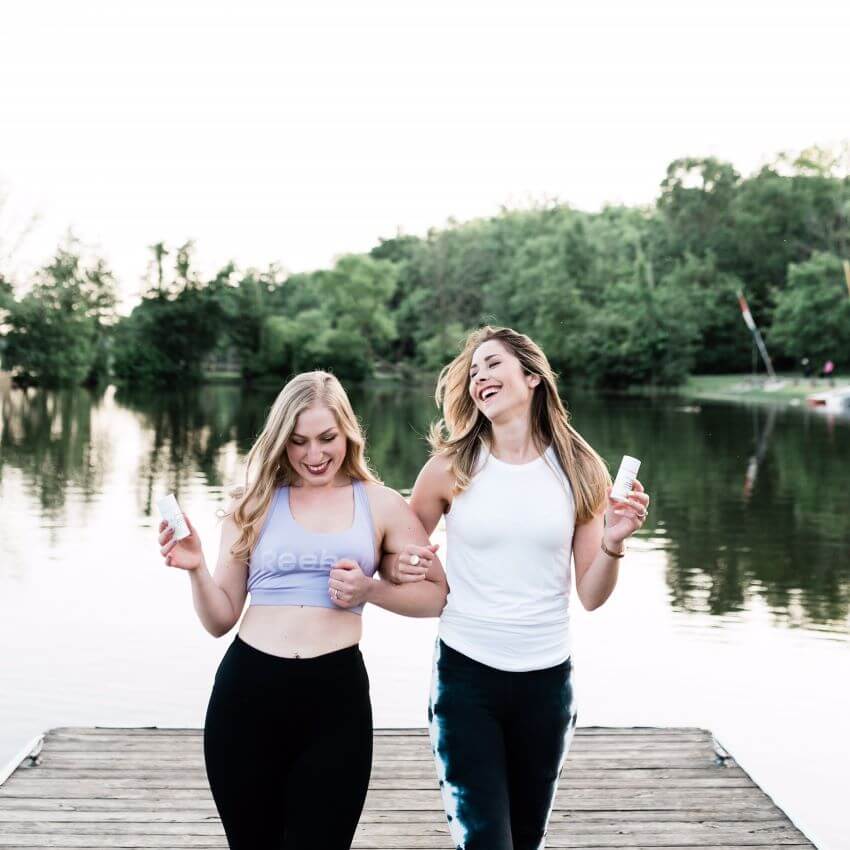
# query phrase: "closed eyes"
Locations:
[[298, 442], [492, 365]]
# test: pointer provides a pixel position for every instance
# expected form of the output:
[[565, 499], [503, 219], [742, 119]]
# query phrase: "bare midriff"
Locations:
[[299, 631]]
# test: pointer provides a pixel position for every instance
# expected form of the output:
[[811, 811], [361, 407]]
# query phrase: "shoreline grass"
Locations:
[[750, 389]]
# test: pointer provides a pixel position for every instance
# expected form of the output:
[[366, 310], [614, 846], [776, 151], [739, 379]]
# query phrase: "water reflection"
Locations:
[[48, 437], [748, 503]]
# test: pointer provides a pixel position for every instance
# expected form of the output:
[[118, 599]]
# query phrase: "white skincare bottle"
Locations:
[[625, 479], [171, 513]]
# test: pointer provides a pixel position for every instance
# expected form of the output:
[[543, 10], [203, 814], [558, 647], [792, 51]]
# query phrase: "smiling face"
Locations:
[[316, 448], [497, 383]]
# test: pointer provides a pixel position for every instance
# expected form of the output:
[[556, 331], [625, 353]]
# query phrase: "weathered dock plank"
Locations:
[[623, 788]]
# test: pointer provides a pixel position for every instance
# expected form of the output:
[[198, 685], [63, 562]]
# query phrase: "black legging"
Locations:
[[288, 748], [499, 742]]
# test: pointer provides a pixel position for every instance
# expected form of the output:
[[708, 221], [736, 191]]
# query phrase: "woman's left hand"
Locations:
[[347, 585], [624, 517]]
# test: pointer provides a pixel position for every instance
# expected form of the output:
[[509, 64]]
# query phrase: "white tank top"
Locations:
[[508, 557]]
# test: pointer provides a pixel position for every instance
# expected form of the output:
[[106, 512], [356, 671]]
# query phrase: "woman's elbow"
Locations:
[[590, 603], [218, 630], [440, 597]]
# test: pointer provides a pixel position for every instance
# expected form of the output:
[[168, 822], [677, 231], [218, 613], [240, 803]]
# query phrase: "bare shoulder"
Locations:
[[383, 498], [388, 506], [439, 464], [437, 476]]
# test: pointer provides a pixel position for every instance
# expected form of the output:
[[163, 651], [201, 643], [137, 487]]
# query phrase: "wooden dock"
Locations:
[[144, 788]]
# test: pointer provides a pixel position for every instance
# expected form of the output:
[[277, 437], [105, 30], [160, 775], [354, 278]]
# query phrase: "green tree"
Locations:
[[7, 293], [435, 352], [7, 299], [694, 208], [185, 277], [337, 320], [160, 252], [48, 347], [709, 299], [355, 295], [246, 308], [166, 338], [289, 345], [812, 315], [58, 332], [164, 341], [781, 219], [443, 284]]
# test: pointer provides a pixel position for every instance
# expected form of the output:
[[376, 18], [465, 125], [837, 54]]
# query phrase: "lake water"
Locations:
[[731, 612]]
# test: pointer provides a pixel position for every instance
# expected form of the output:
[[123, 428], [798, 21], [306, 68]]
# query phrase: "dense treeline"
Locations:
[[623, 296]]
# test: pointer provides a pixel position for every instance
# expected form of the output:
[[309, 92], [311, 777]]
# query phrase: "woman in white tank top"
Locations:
[[523, 494]]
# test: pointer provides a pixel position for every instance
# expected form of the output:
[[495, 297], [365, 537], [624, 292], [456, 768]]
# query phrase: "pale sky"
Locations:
[[293, 132]]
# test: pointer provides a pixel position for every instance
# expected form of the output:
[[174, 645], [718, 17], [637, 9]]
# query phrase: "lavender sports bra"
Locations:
[[290, 565]]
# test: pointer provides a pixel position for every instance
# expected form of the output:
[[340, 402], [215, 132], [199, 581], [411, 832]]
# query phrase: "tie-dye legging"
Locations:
[[499, 741]]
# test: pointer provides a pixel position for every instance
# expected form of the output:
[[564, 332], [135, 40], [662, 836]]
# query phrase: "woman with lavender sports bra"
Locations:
[[292, 563], [288, 726]]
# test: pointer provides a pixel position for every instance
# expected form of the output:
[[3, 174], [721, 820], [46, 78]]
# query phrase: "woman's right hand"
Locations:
[[414, 561], [186, 554]]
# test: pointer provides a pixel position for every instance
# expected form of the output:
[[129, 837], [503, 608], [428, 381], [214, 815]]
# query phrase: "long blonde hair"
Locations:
[[267, 466], [464, 430]]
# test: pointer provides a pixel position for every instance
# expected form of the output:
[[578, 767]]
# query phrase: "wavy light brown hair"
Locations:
[[464, 429], [267, 465]]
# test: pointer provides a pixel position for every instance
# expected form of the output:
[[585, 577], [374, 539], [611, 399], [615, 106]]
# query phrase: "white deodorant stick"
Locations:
[[625, 479], [171, 513]]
